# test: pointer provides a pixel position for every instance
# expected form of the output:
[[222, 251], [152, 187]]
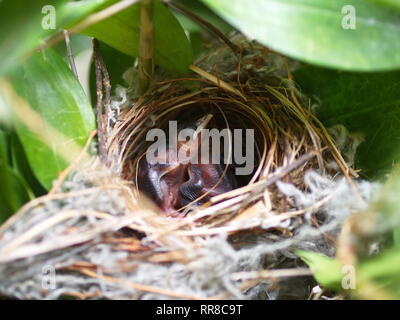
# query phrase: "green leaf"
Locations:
[[311, 30], [197, 42], [74, 12], [204, 12], [396, 236], [386, 205], [172, 50], [78, 42], [382, 270], [21, 29], [389, 3], [385, 264], [48, 85], [21, 166], [13, 156], [326, 270], [13, 191], [4, 147], [367, 104]]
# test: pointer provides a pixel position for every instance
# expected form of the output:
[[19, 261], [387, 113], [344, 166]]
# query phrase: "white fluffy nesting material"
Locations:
[[212, 259]]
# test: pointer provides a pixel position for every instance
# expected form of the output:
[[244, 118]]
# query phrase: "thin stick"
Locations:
[[71, 59], [285, 171], [218, 82], [90, 20], [271, 221], [107, 86], [99, 105], [271, 274], [204, 23], [143, 287]]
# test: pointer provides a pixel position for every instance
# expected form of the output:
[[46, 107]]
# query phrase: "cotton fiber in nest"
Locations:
[[99, 237]]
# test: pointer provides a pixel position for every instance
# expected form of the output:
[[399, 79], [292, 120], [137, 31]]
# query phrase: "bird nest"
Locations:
[[96, 236]]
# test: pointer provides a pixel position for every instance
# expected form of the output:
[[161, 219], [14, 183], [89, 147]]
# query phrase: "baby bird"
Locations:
[[172, 183], [206, 181]]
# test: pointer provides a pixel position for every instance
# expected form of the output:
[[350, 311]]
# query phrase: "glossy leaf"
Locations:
[[78, 42], [198, 35], [22, 167], [13, 156], [73, 12], [172, 50], [367, 104], [48, 85], [21, 29], [380, 271], [204, 12], [13, 191], [312, 30], [384, 270], [326, 270], [389, 3], [4, 146]]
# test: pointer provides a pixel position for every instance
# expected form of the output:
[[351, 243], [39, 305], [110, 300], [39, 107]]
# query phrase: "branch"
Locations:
[[101, 77]]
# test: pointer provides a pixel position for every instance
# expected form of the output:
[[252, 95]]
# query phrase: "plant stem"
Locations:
[[71, 59], [100, 74], [146, 64], [191, 15]]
